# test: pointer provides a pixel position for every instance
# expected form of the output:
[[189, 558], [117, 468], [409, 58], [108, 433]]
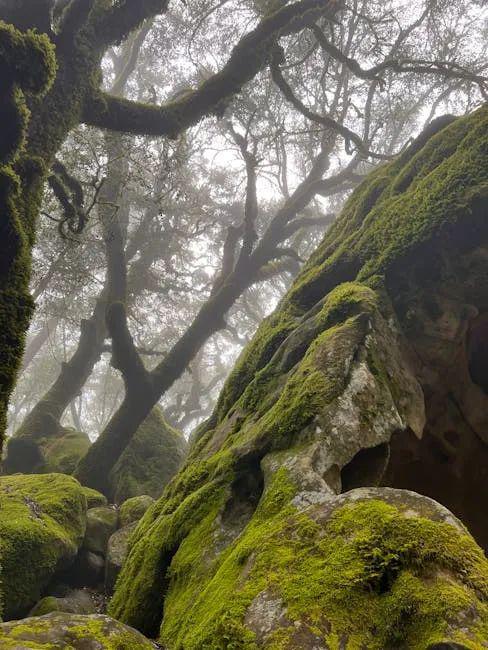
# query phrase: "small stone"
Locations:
[[76, 601], [118, 546]]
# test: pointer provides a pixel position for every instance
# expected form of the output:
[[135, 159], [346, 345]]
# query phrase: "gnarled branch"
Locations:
[[248, 57]]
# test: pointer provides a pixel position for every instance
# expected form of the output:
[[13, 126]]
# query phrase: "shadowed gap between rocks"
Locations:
[[246, 491]]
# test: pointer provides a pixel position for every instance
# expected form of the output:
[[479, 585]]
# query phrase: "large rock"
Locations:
[[58, 449], [150, 461], [70, 631], [368, 375], [42, 525], [94, 498]]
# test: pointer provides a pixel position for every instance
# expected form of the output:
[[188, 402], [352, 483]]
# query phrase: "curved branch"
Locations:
[[249, 56], [115, 23], [349, 136]]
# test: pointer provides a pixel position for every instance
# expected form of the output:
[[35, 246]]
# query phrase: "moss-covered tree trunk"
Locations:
[[27, 67]]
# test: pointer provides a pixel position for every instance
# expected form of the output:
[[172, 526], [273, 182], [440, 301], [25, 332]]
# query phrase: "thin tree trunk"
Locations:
[[36, 344]]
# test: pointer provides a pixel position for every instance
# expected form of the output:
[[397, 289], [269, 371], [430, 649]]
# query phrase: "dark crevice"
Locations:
[[246, 491], [366, 469], [451, 468], [477, 352], [153, 617]]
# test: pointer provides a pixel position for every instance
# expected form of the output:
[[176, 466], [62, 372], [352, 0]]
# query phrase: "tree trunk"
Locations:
[[145, 391]]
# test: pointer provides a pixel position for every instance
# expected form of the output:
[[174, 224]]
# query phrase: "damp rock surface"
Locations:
[[71, 632], [42, 525]]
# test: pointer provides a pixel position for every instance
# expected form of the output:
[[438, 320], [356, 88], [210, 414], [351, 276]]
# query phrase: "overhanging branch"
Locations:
[[248, 57]]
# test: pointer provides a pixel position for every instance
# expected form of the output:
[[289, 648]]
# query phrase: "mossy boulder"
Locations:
[[133, 509], [42, 525], [150, 461], [64, 453], [71, 632], [360, 373], [58, 450], [94, 498], [373, 568], [76, 601], [101, 523]]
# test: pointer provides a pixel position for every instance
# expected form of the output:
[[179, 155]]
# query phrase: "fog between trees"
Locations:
[[160, 246]]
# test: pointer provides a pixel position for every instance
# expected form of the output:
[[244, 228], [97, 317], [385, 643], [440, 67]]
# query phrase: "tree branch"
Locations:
[[114, 24], [248, 57], [124, 353]]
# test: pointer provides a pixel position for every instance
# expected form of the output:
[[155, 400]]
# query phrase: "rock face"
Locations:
[[285, 529], [59, 631], [42, 525], [150, 461], [101, 523]]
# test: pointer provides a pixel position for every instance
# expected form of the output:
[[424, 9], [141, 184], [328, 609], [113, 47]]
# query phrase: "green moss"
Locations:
[[370, 574], [389, 579], [70, 631], [45, 606], [94, 498], [133, 509], [151, 459], [42, 524], [27, 59], [27, 65], [271, 333], [101, 523], [63, 453], [316, 380], [440, 187]]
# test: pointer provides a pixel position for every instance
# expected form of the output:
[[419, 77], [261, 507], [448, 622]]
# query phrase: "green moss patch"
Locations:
[[150, 461], [370, 572], [71, 632], [42, 524]]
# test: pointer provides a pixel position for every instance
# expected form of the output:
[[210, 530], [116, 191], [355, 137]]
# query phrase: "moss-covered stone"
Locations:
[[133, 509], [71, 632], [250, 545], [94, 498], [63, 454], [150, 461], [117, 549], [57, 450], [101, 523], [76, 601], [42, 525], [369, 569]]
